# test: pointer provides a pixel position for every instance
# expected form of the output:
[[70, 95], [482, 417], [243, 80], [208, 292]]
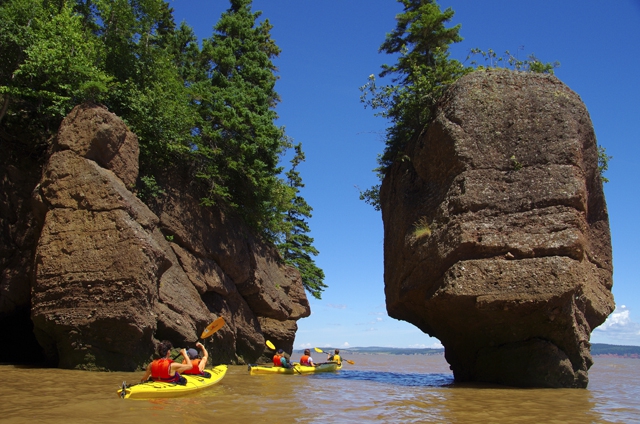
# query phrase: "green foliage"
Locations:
[[603, 163], [422, 72], [150, 188], [297, 246], [49, 61], [148, 92], [239, 145], [531, 64], [371, 196], [515, 164], [207, 111]]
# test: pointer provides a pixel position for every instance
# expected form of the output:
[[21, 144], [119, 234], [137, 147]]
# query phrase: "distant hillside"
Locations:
[[615, 350], [377, 350], [597, 349]]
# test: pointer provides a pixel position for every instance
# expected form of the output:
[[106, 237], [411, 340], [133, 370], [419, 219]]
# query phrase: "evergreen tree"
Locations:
[[239, 145], [210, 110], [49, 62], [148, 91], [423, 70], [297, 247]]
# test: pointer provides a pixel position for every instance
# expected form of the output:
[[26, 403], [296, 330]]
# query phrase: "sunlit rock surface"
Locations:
[[96, 277], [496, 232]]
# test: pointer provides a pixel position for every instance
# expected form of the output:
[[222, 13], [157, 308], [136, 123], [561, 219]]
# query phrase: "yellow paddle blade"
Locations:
[[217, 324], [270, 345], [349, 362], [318, 350]]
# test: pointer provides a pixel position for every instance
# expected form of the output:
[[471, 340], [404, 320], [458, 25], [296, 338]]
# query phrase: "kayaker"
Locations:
[[198, 362], [307, 360], [279, 360], [335, 357], [165, 369]]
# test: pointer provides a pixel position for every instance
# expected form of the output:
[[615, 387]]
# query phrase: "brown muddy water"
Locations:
[[378, 388]]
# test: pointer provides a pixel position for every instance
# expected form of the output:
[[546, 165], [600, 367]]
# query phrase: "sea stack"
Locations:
[[496, 233]]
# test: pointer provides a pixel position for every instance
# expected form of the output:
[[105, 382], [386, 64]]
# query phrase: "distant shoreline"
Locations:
[[597, 349]]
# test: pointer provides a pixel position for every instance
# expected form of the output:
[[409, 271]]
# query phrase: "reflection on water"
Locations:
[[378, 388]]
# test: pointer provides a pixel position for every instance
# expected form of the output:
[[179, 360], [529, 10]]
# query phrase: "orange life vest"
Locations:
[[277, 360], [160, 370], [304, 360], [195, 369]]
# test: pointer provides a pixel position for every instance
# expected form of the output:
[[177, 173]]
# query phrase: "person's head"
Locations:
[[337, 351], [307, 352], [164, 348], [193, 354], [280, 352]]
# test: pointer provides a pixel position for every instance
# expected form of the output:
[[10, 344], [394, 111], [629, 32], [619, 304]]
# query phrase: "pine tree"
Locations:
[[297, 247], [148, 92], [423, 70], [48, 60], [239, 143]]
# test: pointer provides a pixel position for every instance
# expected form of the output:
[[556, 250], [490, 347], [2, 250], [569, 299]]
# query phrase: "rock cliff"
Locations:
[[496, 233], [104, 277]]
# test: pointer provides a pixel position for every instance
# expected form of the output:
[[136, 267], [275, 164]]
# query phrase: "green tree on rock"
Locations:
[[297, 246], [148, 89], [48, 62], [239, 144], [423, 70]]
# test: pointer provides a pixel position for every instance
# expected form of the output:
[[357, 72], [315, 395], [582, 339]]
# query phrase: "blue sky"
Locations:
[[330, 47]]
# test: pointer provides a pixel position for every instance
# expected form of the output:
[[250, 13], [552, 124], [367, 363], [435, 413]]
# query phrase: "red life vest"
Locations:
[[276, 360], [195, 369], [160, 370], [304, 360]]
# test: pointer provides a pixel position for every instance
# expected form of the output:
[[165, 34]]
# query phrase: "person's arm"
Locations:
[[205, 357], [147, 373], [177, 367]]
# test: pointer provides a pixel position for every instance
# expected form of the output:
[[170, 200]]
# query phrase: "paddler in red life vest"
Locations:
[[306, 359], [279, 360], [165, 369], [197, 363]]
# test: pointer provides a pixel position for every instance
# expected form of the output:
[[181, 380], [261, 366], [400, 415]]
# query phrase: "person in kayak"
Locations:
[[198, 362], [165, 369], [279, 360], [307, 360], [335, 357]]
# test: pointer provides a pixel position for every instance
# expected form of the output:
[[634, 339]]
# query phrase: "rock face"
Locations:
[[110, 277], [496, 232]]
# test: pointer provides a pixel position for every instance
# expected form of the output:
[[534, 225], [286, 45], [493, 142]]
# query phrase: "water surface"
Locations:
[[378, 388]]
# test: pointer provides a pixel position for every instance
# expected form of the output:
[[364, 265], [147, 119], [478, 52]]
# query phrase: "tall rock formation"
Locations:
[[496, 232], [110, 277]]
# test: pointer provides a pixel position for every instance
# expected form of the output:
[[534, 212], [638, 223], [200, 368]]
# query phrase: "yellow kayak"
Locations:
[[296, 369], [158, 389]]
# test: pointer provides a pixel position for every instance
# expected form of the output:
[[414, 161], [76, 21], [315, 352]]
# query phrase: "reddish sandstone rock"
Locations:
[[91, 131], [112, 277], [514, 268]]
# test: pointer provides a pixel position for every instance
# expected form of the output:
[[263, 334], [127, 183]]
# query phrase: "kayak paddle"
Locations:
[[322, 351], [217, 324]]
